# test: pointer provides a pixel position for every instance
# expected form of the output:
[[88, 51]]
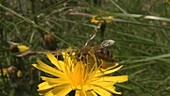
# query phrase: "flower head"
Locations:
[[22, 48], [95, 19], [19, 48], [71, 74]]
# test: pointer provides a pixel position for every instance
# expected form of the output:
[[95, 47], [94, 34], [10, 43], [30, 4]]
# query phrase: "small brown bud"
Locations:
[[50, 43]]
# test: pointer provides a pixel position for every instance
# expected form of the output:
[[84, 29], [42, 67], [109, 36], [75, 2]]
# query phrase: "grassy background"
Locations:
[[140, 29]]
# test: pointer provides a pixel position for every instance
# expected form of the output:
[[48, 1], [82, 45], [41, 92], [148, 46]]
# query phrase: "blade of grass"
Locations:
[[33, 23], [159, 57]]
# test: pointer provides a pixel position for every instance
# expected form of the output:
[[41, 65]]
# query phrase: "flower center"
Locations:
[[78, 75]]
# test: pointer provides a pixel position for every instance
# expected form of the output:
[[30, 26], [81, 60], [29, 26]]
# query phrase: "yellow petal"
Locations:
[[101, 83], [111, 79], [112, 70], [111, 89], [59, 91], [67, 59], [58, 81], [117, 79], [101, 91], [43, 67], [45, 86], [43, 92], [94, 93], [61, 64], [22, 48], [87, 93], [79, 93], [109, 21], [108, 81], [93, 20], [54, 61], [106, 71], [106, 86]]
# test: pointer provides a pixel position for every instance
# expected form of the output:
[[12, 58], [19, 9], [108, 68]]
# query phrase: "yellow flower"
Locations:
[[95, 19], [71, 74], [8, 71], [4, 71], [19, 73], [22, 48]]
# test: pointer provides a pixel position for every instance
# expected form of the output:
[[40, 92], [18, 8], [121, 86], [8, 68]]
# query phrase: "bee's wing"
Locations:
[[107, 43]]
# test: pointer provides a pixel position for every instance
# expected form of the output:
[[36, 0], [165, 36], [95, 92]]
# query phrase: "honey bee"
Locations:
[[100, 51]]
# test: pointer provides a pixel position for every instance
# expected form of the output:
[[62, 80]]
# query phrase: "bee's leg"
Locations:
[[103, 64], [93, 35]]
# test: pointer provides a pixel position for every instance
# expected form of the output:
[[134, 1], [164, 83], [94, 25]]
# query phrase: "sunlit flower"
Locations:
[[71, 74], [22, 48], [96, 19]]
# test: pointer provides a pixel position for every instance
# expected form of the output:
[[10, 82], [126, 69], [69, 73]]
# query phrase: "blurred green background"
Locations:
[[140, 28]]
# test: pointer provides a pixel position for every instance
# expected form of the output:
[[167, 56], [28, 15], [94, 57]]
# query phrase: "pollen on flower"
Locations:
[[78, 74]]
